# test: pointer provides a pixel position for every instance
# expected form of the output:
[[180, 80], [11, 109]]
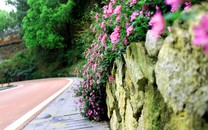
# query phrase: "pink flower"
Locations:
[[76, 72], [100, 37], [109, 22], [129, 30], [115, 35], [148, 14], [175, 4], [102, 25], [110, 9], [98, 75], [91, 82], [98, 81], [113, 1], [96, 17], [94, 29], [141, 12], [117, 29], [86, 71], [169, 29], [103, 40], [201, 34], [118, 18], [158, 24], [133, 2], [111, 78], [127, 23], [156, 7], [89, 112], [134, 15], [118, 9], [145, 7], [125, 41], [105, 9], [187, 5], [113, 47]]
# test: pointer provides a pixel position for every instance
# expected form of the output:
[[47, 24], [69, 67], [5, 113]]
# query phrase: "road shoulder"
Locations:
[[63, 113]]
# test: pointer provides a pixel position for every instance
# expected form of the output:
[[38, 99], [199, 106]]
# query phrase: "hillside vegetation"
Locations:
[[55, 34]]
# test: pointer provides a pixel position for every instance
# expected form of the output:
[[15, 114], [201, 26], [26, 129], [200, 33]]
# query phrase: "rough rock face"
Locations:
[[152, 45], [165, 88]]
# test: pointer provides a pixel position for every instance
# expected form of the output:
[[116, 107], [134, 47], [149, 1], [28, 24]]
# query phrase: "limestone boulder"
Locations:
[[182, 68], [152, 45]]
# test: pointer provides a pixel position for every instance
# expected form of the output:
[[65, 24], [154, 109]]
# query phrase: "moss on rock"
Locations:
[[168, 92]]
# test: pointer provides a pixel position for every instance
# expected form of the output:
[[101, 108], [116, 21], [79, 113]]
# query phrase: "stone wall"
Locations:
[[161, 85]]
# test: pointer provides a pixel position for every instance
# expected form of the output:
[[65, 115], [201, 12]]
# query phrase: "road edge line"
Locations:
[[21, 122]]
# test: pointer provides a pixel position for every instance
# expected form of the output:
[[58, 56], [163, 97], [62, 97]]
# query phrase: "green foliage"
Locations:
[[54, 36], [39, 63], [20, 67], [46, 23], [21, 12], [4, 18]]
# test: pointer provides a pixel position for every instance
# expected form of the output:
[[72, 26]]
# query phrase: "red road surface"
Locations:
[[16, 102]]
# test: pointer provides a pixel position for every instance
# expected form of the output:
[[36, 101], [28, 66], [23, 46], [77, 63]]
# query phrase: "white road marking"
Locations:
[[20, 122]]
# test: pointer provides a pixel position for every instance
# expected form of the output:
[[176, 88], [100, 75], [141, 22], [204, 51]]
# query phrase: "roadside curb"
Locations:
[[25, 119], [64, 114]]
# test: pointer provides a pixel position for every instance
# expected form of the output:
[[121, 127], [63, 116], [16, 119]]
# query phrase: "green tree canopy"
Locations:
[[47, 23], [7, 20]]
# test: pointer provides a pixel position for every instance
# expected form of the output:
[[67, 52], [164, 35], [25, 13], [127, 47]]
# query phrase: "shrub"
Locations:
[[17, 68]]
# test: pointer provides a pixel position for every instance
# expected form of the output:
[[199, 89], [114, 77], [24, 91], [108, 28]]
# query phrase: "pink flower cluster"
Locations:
[[118, 9], [115, 35], [129, 30], [113, 1], [187, 5], [134, 15], [133, 2], [90, 87], [110, 78], [96, 17], [95, 110], [175, 4], [201, 34], [108, 10], [158, 24], [103, 40]]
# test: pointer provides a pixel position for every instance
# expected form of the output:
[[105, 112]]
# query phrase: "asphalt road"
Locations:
[[16, 102]]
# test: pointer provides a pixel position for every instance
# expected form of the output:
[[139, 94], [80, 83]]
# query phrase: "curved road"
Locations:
[[19, 101]]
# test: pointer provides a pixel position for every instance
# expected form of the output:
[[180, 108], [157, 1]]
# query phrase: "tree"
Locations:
[[22, 7], [7, 20], [47, 23]]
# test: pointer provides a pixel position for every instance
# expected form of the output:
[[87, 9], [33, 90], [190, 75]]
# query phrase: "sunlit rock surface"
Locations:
[[162, 88]]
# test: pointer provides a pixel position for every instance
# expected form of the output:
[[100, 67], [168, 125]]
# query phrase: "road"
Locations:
[[16, 102]]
